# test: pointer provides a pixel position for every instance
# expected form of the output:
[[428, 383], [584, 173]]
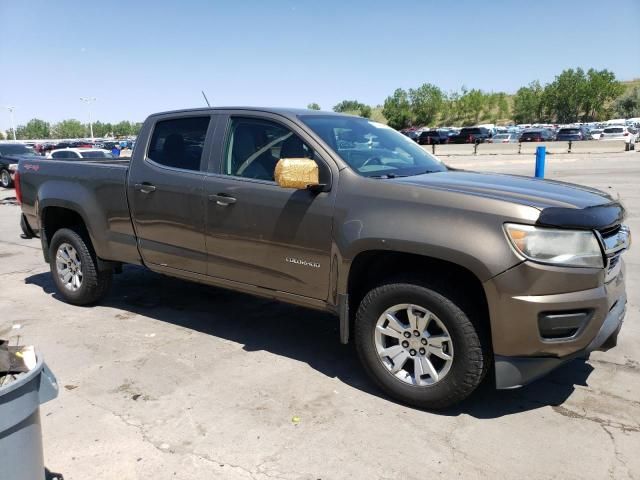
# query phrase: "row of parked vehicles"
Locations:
[[12, 152], [488, 135]]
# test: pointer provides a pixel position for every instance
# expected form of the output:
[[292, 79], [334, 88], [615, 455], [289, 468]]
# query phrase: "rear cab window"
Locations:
[[179, 142]]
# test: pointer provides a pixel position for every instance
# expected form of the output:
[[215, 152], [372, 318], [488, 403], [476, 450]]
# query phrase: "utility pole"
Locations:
[[13, 126], [88, 101]]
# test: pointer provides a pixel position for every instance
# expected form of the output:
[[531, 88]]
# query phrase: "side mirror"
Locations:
[[298, 173]]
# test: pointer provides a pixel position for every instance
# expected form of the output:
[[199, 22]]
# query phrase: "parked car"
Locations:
[[537, 135], [428, 137], [10, 155], [79, 153], [471, 135], [570, 134], [619, 133], [80, 144], [439, 275], [412, 134], [595, 133], [503, 138]]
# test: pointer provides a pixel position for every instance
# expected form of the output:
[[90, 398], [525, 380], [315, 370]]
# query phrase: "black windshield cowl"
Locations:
[[386, 175]]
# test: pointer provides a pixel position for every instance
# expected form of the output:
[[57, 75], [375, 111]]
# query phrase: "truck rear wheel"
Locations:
[[419, 346], [75, 268]]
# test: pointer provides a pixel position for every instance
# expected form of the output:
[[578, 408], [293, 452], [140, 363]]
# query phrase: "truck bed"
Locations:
[[97, 188]]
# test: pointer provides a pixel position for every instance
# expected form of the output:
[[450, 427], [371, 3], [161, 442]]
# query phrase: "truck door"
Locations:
[[257, 232], [166, 192]]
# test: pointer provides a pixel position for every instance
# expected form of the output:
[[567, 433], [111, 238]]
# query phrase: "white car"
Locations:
[[504, 138], [78, 153], [596, 133], [619, 132]]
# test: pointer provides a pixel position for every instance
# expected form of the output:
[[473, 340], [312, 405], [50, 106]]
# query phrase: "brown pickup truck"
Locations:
[[439, 275]]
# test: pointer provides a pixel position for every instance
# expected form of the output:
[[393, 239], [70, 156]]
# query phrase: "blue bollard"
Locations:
[[541, 153]]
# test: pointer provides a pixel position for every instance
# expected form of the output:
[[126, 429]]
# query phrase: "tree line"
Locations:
[[573, 96], [71, 128]]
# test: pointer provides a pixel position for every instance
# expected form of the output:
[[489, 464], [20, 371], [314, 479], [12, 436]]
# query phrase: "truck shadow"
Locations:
[[304, 335]]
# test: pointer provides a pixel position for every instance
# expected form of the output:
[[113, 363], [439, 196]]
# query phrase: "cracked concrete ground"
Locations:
[[171, 380]]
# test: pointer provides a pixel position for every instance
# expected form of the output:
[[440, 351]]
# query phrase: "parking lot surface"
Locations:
[[172, 380]]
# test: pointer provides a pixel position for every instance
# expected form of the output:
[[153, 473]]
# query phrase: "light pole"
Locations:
[[88, 101], [13, 126]]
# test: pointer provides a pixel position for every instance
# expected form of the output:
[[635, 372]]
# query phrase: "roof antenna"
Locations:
[[206, 99]]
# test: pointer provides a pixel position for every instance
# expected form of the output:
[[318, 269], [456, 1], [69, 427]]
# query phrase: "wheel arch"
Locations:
[[57, 215], [371, 268]]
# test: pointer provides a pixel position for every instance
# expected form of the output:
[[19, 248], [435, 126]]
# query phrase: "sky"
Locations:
[[140, 57]]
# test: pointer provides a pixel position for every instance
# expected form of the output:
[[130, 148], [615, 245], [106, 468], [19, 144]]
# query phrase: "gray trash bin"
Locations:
[[21, 456]]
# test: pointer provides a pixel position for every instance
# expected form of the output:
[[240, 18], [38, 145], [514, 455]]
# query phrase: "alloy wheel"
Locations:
[[69, 267], [413, 344]]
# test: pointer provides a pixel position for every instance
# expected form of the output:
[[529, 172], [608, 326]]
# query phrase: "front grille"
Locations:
[[615, 241]]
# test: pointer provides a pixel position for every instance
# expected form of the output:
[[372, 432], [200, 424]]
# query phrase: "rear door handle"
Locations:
[[222, 199], [145, 187]]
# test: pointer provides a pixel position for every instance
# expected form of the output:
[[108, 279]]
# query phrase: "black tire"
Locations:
[[95, 283], [5, 178], [472, 353]]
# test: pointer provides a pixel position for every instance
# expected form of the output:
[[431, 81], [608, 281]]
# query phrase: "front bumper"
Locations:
[[517, 299], [514, 372]]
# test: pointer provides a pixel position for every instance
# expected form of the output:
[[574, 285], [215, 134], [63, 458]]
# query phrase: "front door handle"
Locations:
[[222, 199], [145, 187]]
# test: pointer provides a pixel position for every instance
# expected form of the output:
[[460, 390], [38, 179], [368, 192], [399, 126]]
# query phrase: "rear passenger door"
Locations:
[[166, 192]]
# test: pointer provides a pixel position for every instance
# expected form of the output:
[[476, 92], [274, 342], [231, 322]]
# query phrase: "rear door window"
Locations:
[[179, 142]]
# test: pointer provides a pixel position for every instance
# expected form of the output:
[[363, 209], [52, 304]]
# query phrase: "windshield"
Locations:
[[613, 130], [372, 149], [15, 149], [96, 154], [569, 131]]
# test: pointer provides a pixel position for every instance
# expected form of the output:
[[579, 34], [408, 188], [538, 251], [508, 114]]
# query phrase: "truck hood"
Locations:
[[561, 204]]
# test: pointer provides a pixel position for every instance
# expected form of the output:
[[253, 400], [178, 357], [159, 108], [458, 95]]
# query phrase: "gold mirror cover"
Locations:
[[296, 173]]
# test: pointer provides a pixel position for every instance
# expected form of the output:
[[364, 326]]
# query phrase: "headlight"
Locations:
[[570, 248], [13, 166]]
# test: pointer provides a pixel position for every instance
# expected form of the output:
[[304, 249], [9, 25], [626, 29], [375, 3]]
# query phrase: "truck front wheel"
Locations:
[[75, 268], [419, 346]]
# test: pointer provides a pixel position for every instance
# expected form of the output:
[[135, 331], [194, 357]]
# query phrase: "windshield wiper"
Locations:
[[387, 175]]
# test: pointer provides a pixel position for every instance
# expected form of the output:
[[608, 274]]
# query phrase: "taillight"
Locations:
[[16, 184], [626, 134]]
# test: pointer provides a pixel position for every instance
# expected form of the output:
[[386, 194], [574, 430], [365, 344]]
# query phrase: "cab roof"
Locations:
[[286, 112]]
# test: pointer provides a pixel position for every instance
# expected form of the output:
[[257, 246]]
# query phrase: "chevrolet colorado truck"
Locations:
[[438, 275]]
